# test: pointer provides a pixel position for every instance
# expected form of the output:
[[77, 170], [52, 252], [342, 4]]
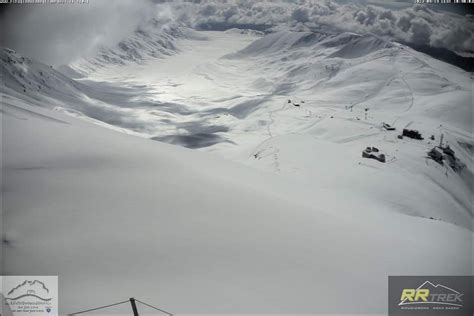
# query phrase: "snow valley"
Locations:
[[237, 170]]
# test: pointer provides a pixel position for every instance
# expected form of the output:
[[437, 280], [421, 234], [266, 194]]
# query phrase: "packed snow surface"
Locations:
[[276, 212]]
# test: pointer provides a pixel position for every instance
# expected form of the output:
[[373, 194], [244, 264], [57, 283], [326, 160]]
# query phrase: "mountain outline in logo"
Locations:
[[28, 288]]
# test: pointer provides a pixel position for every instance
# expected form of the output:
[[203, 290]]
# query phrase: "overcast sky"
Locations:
[[59, 34]]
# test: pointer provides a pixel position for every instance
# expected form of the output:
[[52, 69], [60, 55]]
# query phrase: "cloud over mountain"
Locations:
[[417, 24], [33, 30]]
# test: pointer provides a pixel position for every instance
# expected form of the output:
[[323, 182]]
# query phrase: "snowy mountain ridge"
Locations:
[[349, 45], [151, 40]]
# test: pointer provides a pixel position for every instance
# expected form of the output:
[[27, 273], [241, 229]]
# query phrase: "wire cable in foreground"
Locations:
[[165, 312], [94, 309]]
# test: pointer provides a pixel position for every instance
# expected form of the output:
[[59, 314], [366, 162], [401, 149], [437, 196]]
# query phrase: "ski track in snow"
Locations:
[[412, 99]]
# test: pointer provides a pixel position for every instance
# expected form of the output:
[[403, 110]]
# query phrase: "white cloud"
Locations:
[[415, 23], [58, 34]]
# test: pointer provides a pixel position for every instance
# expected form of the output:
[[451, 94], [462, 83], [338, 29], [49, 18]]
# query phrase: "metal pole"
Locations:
[[134, 306]]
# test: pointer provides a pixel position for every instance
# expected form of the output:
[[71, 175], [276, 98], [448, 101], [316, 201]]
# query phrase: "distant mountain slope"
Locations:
[[360, 46], [350, 69], [331, 96], [349, 45], [273, 43]]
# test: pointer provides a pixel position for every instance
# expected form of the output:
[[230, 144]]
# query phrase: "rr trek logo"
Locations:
[[429, 293]]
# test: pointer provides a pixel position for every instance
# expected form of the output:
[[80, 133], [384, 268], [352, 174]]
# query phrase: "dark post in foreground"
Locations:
[[134, 306]]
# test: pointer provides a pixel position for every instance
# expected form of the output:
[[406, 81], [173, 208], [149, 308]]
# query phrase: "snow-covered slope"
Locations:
[[361, 46], [348, 45], [278, 42], [102, 102], [298, 222], [229, 94], [333, 80], [117, 216], [23, 76]]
